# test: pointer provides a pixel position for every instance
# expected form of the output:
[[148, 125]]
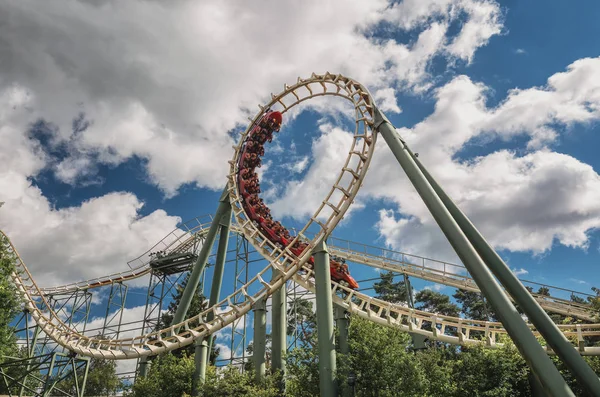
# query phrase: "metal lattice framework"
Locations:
[[283, 262]]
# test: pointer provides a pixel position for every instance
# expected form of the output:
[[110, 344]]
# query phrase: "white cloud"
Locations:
[[78, 243], [224, 351], [299, 165], [435, 287], [519, 202], [520, 51], [578, 281], [170, 98], [329, 152], [482, 21], [386, 100], [519, 272]]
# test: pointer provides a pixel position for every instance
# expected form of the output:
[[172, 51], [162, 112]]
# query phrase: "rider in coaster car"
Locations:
[[275, 120], [260, 137], [253, 199], [251, 160]]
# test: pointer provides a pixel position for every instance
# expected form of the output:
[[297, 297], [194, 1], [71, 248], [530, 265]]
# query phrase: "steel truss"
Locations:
[[39, 375]]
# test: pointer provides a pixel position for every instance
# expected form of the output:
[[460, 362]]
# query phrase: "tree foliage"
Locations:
[[436, 302], [474, 305], [10, 303], [102, 379], [171, 376], [388, 290]]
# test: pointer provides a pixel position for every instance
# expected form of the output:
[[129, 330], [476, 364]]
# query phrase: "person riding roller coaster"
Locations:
[[258, 212]]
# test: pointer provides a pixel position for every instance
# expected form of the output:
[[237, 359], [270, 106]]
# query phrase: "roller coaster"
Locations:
[[304, 260]]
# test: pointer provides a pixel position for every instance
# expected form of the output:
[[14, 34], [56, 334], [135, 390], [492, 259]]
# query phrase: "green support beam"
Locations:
[[190, 288], [279, 330], [417, 339], [200, 356], [217, 281], [516, 327], [325, 331], [203, 348], [260, 339], [341, 321], [543, 324]]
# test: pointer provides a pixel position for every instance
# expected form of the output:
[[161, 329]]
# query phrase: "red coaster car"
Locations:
[[339, 274]]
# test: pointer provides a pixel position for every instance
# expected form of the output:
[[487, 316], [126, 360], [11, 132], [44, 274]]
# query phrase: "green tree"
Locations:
[[302, 363], [482, 372], [169, 376], [380, 360], [230, 382], [302, 317], [474, 305], [388, 290], [102, 379], [436, 302], [594, 302], [10, 303]]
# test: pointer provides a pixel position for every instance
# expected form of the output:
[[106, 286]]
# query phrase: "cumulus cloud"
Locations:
[[329, 152], [168, 84], [73, 243], [520, 202], [524, 199], [171, 97], [519, 272]]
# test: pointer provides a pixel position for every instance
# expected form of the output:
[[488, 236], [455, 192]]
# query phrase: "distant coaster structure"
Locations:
[[304, 258]]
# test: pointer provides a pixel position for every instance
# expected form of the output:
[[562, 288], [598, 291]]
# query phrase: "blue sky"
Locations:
[[502, 101]]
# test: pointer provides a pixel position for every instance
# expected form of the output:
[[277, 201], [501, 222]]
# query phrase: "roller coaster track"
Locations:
[[281, 261], [183, 238], [431, 325]]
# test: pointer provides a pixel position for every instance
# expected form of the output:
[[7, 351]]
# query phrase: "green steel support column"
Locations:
[[30, 349], [417, 339], [190, 288], [217, 281], [556, 339], [45, 390], [260, 339], [85, 376], [279, 329], [203, 348], [516, 327], [200, 354], [325, 334], [341, 321], [143, 366]]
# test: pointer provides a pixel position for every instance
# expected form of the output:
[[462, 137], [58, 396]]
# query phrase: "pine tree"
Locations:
[[391, 291]]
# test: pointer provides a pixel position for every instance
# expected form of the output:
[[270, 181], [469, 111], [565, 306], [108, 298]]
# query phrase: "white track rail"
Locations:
[[448, 274], [454, 330]]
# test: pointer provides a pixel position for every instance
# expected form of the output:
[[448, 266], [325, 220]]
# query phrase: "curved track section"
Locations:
[[447, 329], [182, 239], [335, 204], [436, 327], [448, 274], [282, 262]]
